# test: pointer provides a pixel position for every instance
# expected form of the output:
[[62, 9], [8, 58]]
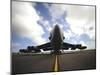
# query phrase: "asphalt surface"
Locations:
[[32, 63], [77, 61], [39, 63]]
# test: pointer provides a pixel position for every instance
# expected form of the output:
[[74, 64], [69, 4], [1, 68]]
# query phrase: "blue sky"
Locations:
[[32, 23]]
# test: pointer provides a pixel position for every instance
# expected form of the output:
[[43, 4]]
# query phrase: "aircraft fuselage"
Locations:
[[56, 39]]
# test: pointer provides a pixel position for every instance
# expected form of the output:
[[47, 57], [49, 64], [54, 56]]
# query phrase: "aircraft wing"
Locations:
[[45, 46], [72, 46], [48, 48], [36, 49]]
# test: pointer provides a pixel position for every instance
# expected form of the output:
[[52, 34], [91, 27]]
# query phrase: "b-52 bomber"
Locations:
[[55, 45]]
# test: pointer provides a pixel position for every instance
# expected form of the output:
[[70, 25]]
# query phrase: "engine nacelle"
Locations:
[[83, 47], [23, 51], [33, 48], [73, 48]]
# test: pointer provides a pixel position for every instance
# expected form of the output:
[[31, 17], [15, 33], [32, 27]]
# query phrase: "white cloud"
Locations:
[[45, 23], [81, 20], [24, 22], [15, 46], [56, 11], [68, 34], [90, 29]]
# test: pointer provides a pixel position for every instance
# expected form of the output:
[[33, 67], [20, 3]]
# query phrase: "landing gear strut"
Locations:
[[56, 52]]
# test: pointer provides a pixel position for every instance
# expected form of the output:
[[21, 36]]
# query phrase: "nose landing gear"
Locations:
[[56, 52]]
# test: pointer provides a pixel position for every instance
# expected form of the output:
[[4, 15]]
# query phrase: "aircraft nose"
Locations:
[[56, 27]]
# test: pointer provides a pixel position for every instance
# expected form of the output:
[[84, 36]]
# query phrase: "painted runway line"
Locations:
[[56, 64]]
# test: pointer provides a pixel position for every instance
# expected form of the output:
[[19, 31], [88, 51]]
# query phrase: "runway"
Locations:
[[39, 63]]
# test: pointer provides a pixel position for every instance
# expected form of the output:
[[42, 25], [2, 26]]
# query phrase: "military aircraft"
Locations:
[[56, 43]]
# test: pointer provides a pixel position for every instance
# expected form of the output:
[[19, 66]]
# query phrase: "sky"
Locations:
[[32, 23]]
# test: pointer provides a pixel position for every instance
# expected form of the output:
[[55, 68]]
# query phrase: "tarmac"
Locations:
[[40, 63]]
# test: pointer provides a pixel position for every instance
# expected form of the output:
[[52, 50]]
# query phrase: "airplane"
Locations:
[[56, 43]]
